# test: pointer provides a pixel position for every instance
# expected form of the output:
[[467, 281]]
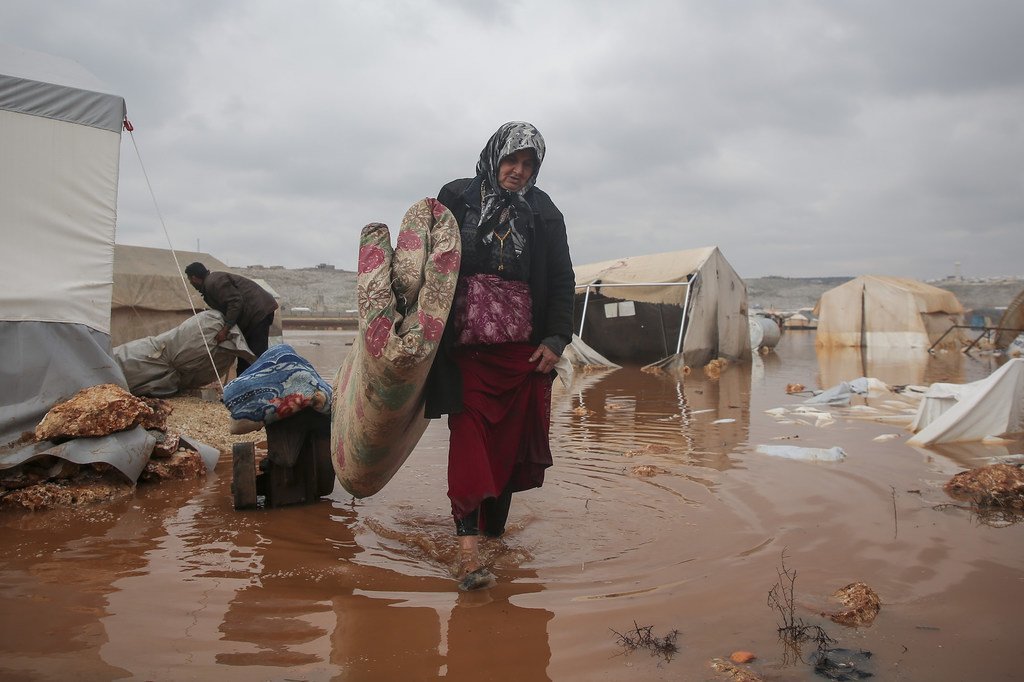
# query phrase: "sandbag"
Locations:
[[405, 294]]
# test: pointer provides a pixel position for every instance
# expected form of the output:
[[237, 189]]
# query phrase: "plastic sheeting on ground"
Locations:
[[127, 451], [833, 454], [841, 393], [162, 365], [982, 409]]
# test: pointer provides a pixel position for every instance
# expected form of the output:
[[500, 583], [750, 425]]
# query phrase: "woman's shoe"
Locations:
[[479, 579]]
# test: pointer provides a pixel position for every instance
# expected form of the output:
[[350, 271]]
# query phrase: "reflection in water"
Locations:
[[619, 411], [900, 366], [175, 584]]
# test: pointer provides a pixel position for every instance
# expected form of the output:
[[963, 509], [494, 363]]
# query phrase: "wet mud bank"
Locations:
[[660, 513]]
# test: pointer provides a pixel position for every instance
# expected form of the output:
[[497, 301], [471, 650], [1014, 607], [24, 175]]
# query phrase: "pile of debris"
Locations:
[[50, 480]]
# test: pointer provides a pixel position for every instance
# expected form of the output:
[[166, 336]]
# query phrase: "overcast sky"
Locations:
[[802, 138]]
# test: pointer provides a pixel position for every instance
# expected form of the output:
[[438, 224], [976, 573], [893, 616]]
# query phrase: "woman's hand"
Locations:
[[545, 359]]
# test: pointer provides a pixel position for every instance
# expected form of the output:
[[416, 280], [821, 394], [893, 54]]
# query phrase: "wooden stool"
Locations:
[[297, 469]]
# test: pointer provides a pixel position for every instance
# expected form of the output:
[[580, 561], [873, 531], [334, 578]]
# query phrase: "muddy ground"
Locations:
[[658, 516]]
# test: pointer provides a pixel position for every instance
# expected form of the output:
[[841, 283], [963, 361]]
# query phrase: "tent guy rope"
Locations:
[[209, 353]]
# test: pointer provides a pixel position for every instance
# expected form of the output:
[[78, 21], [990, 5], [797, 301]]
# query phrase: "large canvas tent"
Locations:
[[150, 296], [60, 136], [691, 302], [872, 310]]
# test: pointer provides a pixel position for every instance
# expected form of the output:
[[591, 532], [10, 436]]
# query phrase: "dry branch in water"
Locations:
[[793, 631], [644, 638]]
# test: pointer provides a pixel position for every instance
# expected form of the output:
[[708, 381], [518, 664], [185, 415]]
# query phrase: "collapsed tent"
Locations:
[[644, 308], [887, 311], [991, 407], [60, 132], [184, 357]]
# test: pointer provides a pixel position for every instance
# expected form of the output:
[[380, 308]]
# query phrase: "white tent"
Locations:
[[60, 136], [887, 311], [699, 283], [991, 407]]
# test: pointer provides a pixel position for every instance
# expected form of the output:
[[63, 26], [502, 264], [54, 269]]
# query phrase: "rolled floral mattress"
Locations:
[[405, 294]]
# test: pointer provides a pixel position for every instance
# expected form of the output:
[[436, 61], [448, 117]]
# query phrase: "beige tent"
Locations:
[[631, 307], [149, 295], [887, 311], [1011, 324]]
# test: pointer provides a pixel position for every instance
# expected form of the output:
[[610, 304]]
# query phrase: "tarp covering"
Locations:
[[886, 311], [149, 295], [990, 407], [162, 365], [58, 203], [716, 316]]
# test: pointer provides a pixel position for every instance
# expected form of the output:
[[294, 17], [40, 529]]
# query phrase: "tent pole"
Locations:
[[682, 321], [583, 317]]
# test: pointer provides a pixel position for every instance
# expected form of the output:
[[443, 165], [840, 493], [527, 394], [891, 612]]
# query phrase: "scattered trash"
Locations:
[[886, 436], [742, 657], [795, 388], [649, 449], [647, 470], [714, 369], [833, 454], [862, 604], [841, 664], [724, 421], [583, 411]]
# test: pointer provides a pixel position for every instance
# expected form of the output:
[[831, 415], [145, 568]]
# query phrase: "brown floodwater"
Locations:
[[175, 584]]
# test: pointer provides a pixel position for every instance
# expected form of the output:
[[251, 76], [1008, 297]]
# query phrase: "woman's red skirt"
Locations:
[[501, 436]]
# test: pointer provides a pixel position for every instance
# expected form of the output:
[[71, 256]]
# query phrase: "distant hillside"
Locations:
[[789, 293], [322, 289], [319, 289]]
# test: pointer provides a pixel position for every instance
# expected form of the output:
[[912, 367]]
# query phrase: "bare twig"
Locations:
[[642, 637], [895, 518]]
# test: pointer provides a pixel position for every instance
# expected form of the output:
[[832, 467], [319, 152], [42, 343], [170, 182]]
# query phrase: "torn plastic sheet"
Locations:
[[833, 454], [127, 451], [841, 393], [209, 454]]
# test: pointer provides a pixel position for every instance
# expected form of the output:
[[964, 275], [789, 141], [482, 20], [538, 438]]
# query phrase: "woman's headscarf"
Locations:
[[508, 139]]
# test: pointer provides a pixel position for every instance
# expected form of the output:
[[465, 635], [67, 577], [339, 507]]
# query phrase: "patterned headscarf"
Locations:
[[508, 139]]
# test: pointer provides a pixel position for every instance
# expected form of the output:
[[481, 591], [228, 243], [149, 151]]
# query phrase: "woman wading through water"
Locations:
[[511, 320]]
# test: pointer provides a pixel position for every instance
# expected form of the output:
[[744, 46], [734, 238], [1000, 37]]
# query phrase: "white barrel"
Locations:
[[764, 332]]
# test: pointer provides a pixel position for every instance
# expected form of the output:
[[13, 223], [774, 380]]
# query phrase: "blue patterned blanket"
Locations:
[[277, 385]]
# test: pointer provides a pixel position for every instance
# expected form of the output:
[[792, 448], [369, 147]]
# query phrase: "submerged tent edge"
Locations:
[[62, 102]]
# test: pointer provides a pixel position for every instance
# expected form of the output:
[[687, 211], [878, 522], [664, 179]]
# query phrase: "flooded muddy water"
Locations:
[[659, 512]]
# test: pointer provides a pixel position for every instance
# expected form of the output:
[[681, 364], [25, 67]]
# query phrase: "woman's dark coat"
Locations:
[[551, 285]]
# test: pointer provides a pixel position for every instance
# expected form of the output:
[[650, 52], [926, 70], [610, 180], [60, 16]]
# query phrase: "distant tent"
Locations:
[[1011, 324], [60, 133], [886, 311], [632, 309], [150, 296]]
